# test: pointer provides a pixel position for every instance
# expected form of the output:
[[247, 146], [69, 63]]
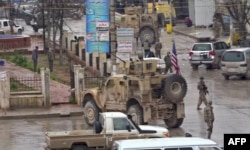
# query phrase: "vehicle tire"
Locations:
[[147, 33], [20, 31], [243, 77], [173, 122], [195, 67], [210, 66], [136, 112], [174, 88], [161, 19], [91, 112], [226, 77], [80, 147]]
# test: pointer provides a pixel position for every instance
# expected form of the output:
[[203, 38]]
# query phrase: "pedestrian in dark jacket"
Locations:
[[188, 22], [35, 58]]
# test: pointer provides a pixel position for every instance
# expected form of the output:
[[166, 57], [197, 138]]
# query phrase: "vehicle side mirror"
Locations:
[[129, 117], [128, 128], [97, 127]]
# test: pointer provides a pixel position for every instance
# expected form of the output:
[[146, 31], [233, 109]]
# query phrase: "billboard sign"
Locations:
[[97, 26]]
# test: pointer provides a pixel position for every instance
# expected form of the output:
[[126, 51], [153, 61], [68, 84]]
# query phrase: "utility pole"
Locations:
[[43, 13], [146, 6], [171, 13], [112, 31]]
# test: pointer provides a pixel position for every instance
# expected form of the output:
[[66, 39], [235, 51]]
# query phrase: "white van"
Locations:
[[236, 62], [173, 143]]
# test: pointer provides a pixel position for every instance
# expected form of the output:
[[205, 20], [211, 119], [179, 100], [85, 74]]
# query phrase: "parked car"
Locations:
[[236, 62], [173, 143], [6, 29], [207, 53]]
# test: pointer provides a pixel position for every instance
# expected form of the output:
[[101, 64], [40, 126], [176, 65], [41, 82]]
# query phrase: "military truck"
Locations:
[[145, 25], [110, 127], [164, 10], [137, 89], [5, 27]]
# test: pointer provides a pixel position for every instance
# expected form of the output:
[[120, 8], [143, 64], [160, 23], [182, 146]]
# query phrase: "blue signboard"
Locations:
[[96, 11]]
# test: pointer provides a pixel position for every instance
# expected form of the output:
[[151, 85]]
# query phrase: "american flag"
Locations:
[[174, 60]]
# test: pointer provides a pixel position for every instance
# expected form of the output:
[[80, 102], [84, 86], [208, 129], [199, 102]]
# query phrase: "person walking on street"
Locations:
[[158, 47], [168, 63], [209, 118], [202, 92], [146, 45], [50, 59], [35, 58]]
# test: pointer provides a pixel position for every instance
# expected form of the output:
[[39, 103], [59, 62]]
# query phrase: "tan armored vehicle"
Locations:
[[146, 26], [140, 91], [110, 127]]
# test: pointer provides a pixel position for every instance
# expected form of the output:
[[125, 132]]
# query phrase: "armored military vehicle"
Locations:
[[137, 89], [145, 25]]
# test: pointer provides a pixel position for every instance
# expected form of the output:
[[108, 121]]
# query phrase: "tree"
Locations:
[[239, 11]]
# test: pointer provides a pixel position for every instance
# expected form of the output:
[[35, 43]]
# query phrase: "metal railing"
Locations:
[[25, 83]]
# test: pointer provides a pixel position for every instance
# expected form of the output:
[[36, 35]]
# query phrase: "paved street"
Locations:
[[231, 101]]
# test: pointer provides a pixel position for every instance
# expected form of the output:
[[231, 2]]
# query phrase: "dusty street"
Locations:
[[231, 101]]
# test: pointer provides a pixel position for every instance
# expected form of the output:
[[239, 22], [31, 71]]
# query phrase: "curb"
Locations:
[[45, 115], [185, 34]]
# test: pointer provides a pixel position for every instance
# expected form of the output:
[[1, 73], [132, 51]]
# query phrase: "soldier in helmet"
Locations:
[[209, 118], [216, 29], [202, 92]]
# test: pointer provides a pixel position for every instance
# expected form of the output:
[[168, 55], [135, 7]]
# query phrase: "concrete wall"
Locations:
[[27, 101], [12, 42], [24, 99], [201, 12]]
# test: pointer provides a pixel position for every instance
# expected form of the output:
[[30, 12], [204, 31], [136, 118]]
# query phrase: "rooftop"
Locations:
[[161, 142]]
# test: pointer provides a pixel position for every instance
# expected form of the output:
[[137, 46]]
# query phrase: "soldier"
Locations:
[[209, 118], [168, 64], [216, 29], [158, 47], [202, 92]]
